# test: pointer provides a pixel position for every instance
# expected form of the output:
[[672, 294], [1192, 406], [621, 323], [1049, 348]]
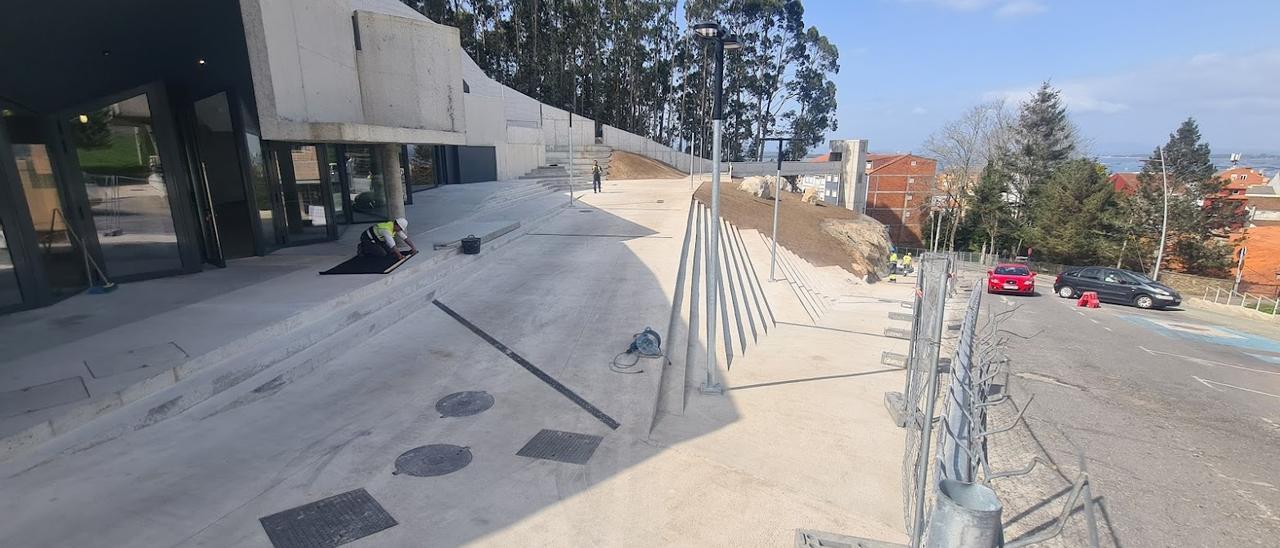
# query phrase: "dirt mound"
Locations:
[[824, 236], [625, 165]]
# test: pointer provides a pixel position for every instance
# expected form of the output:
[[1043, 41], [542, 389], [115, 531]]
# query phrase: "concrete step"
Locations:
[[533, 191], [577, 148], [284, 350], [588, 157]]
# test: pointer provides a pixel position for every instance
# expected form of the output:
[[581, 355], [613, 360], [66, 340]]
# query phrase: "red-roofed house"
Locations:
[[1238, 180], [1125, 182], [899, 188]]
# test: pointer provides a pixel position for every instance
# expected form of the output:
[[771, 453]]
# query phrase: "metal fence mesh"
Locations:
[[920, 393]]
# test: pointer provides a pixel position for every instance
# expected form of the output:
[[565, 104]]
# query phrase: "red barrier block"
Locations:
[[1089, 299]]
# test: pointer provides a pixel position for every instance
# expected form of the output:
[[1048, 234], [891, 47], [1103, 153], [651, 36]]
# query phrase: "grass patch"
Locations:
[[120, 158]]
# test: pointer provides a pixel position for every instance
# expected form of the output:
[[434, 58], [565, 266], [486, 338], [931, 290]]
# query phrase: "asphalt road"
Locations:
[[1177, 413]]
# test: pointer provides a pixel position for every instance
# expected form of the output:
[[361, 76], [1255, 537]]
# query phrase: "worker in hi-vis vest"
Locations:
[[386, 238]]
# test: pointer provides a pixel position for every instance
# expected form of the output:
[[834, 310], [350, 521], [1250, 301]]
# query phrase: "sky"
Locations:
[[1131, 70]]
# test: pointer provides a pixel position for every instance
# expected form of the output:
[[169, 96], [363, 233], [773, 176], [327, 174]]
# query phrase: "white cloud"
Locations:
[[1236, 93], [919, 111], [1019, 8], [1001, 8]]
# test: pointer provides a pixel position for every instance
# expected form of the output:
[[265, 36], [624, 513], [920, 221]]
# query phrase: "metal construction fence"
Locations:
[[947, 494], [1264, 305], [912, 407]]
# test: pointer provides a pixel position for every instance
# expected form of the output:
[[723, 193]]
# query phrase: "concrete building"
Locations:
[[899, 192], [1264, 202], [160, 137]]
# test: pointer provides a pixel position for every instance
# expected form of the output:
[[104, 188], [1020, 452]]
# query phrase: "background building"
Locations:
[[899, 192]]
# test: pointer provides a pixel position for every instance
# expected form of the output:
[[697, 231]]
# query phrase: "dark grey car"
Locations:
[[1116, 286]]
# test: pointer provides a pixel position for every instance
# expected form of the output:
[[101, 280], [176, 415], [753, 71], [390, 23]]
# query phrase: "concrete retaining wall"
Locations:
[[377, 71]]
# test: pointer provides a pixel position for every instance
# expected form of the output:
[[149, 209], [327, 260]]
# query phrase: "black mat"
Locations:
[[368, 265]]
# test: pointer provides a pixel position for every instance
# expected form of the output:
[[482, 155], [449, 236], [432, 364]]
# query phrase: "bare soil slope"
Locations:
[[625, 165], [824, 236]]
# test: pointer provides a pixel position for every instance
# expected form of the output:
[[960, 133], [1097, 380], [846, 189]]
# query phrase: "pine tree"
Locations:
[[1044, 139], [1075, 215], [989, 207], [1197, 221]]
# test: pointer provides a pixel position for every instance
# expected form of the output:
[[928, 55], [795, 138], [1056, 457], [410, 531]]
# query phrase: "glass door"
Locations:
[[58, 246], [225, 216], [127, 189], [304, 193]]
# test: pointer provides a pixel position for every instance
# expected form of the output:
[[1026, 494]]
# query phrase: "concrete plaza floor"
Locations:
[[140, 330], [799, 440]]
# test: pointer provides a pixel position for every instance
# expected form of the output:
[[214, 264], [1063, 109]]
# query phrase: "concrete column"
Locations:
[[393, 180], [853, 173]]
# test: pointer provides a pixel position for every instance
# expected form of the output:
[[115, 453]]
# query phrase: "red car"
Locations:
[[1011, 278]]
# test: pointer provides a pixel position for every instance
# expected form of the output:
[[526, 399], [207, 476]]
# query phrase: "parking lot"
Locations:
[[1176, 411]]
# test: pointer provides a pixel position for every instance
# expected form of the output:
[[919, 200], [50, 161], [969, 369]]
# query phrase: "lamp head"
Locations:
[[707, 29], [731, 42]]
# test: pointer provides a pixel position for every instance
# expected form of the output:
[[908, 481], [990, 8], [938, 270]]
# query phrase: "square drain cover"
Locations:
[[329, 522], [560, 446]]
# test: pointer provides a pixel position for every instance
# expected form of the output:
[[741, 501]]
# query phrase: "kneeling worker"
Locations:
[[385, 238]]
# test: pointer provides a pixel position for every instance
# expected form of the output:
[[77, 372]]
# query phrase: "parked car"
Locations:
[[1011, 278], [1114, 285]]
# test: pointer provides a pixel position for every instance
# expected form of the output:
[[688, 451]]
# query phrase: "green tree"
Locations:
[[1198, 223], [95, 131], [1075, 215], [989, 208], [1043, 140]]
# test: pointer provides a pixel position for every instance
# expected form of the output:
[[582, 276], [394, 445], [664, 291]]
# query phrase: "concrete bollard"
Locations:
[[965, 515]]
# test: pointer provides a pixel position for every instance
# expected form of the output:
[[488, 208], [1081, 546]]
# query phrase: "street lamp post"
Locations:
[[1164, 224], [570, 155], [777, 191], [721, 40]]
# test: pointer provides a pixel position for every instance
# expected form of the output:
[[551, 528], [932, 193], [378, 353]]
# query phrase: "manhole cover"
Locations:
[[433, 460], [464, 404], [330, 522], [570, 447]]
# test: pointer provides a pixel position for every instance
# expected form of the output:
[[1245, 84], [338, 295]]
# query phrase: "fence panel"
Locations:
[[921, 392]]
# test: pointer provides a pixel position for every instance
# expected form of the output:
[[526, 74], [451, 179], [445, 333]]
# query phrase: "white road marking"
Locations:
[[1107, 328], [1209, 363], [1093, 320], [1211, 384]]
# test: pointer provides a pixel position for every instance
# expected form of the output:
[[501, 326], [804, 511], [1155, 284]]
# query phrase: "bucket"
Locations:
[[471, 245]]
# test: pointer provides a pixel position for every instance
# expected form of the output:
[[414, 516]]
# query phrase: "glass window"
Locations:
[[1089, 273], [1012, 270], [367, 185], [264, 196], [127, 188], [59, 250], [331, 161], [9, 292], [303, 189], [422, 167]]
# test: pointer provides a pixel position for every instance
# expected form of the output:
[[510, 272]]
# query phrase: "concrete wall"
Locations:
[[746, 169], [403, 83], [409, 75], [312, 85]]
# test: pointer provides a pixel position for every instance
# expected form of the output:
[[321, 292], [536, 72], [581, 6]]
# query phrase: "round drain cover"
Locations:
[[433, 460], [464, 404]]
